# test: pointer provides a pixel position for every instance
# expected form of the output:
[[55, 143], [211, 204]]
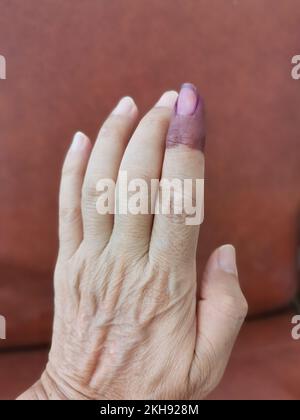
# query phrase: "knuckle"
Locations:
[[236, 306], [243, 307], [176, 219], [70, 215], [69, 169], [173, 135], [156, 116], [113, 126], [89, 190], [178, 135], [138, 171], [173, 199]]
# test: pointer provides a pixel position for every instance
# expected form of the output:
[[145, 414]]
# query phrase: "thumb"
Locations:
[[221, 311]]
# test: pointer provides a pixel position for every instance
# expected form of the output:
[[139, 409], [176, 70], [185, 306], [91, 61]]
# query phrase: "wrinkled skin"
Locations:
[[127, 323]]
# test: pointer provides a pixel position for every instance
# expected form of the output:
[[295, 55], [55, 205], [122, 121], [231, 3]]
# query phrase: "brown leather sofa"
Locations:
[[68, 62]]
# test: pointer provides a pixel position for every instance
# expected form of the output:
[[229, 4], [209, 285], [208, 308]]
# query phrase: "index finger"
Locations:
[[175, 232]]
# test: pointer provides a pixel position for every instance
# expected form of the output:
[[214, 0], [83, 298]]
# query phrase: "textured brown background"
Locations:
[[69, 61]]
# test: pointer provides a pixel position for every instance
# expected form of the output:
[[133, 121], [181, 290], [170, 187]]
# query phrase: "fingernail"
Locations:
[[187, 100], [227, 259], [168, 99], [125, 106], [187, 125], [79, 142]]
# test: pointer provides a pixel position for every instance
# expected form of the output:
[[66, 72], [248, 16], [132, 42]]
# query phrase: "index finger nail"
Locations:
[[187, 124]]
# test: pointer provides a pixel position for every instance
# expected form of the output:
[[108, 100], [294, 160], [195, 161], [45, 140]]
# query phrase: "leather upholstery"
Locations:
[[19, 370], [265, 363], [69, 61]]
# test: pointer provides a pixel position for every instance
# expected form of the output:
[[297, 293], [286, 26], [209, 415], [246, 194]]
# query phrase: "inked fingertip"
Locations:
[[189, 100], [187, 126]]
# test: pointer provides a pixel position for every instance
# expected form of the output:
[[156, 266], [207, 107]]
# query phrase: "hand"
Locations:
[[128, 324]]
